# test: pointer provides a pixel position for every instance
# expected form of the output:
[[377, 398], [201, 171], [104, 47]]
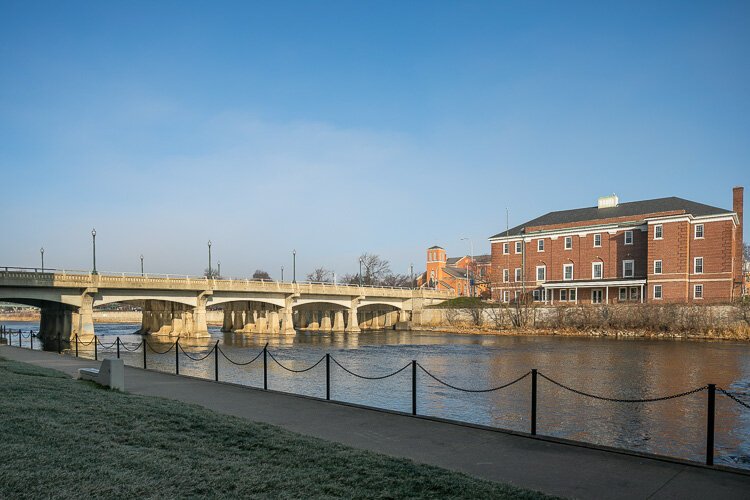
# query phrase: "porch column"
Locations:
[[576, 301], [643, 290], [606, 293]]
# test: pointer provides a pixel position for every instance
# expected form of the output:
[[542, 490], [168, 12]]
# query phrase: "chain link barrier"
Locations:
[[137, 346], [160, 352], [474, 390], [81, 342], [733, 397], [623, 400], [106, 346], [366, 377], [238, 363], [292, 369], [199, 358]]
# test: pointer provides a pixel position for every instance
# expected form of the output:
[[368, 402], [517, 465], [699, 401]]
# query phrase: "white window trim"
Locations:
[[506, 275], [518, 247], [506, 296], [572, 295], [506, 248], [623, 268], [565, 244], [695, 288], [661, 292], [593, 274], [518, 275], [601, 293], [600, 240], [625, 237], [564, 291], [619, 294], [660, 226], [537, 273], [572, 270], [661, 267], [695, 265], [540, 242], [695, 232]]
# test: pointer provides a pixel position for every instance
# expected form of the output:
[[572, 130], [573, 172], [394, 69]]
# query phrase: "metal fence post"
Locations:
[[265, 367], [59, 343], [19, 337], [533, 401], [31, 339], [710, 417], [145, 346], [76, 345], [117, 342], [96, 350], [328, 377], [177, 357], [216, 361], [413, 386]]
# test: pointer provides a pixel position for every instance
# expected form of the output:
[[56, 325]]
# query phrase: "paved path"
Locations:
[[551, 467]]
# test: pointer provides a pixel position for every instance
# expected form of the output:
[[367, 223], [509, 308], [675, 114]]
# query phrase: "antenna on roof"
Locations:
[[507, 226]]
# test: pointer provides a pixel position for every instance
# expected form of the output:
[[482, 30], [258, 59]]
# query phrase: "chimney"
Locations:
[[737, 207]]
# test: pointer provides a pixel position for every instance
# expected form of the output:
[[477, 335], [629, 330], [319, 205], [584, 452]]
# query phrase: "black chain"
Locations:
[[235, 362], [138, 346], [84, 343], [733, 397], [621, 400], [197, 359], [475, 390], [106, 346], [292, 369], [160, 352], [369, 378]]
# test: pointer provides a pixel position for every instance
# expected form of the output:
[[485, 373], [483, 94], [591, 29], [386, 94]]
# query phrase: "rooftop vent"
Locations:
[[608, 201]]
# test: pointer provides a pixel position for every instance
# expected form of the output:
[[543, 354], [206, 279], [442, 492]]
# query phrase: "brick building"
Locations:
[[465, 275], [662, 250]]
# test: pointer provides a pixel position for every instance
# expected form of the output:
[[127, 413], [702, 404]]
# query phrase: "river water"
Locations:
[[619, 368]]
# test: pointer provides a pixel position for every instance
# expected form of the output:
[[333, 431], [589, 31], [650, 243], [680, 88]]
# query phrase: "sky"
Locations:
[[337, 128]]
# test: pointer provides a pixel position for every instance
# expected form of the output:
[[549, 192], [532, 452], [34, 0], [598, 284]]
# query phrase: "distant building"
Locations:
[[465, 275], [661, 250]]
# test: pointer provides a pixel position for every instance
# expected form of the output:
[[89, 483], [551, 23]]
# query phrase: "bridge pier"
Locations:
[[352, 326], [325, 322], [338, 322]]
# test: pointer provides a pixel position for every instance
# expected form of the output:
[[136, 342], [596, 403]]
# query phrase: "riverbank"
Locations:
[[115, 444], [550, 465]]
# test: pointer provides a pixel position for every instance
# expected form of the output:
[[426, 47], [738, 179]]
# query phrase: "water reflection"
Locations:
[[632, 368]]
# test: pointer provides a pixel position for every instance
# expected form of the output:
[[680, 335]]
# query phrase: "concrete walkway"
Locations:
[[548, 466]]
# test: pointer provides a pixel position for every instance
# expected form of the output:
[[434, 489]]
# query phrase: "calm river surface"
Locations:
[[611, 367]]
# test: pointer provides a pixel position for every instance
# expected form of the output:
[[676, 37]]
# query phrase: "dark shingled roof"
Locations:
[[452, 260], [630, 209], [434, 247], [455, 272]]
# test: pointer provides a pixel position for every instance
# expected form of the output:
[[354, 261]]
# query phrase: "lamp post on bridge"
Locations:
[[210, 273], [93, 239], [411, 275], [41, 251], [142, 265], [294, 266], [282, 274], [360, 271], [218, 270]]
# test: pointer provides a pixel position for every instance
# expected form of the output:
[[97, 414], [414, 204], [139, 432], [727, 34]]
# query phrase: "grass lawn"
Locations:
[[63, 438]]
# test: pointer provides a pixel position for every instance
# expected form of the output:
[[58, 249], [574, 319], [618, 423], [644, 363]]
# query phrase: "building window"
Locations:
[[657, 267], [628, 268], [597, 240], [628, 237], [506, 296], [658, 232], [540, 245], [698, 231], [563, 295], [537, 295], [506, 248], [697, 291], [657, 292], [698, 265], [597, 270], [541, 273], [572, 294], [623, 294], [506, 275], [633, 293], [567, 272], [568, 243], [518, 247], [518, 274], [596, 296]]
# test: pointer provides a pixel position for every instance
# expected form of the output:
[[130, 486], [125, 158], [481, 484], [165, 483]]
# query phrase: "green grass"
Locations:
[[62, 438]]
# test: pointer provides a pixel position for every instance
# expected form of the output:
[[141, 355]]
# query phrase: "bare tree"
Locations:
[[349, 279], [399, 280], [320, 275], [374, 268], [259, 274], [211, 273]]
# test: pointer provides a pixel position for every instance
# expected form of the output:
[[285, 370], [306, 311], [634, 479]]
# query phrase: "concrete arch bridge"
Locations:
[[177, 305]]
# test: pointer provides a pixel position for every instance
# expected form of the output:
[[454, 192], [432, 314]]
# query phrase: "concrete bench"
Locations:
[[110, 374]]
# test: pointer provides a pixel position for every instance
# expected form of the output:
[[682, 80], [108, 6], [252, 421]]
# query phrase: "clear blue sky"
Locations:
[[342, 127]]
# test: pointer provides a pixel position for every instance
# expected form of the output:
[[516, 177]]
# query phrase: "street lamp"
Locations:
[[142, 265], [294, 266], [360, 271], [218, 271], [209, 259], [471, 265], [411, 275], [41, 251], [93, 237], [282, 274]]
